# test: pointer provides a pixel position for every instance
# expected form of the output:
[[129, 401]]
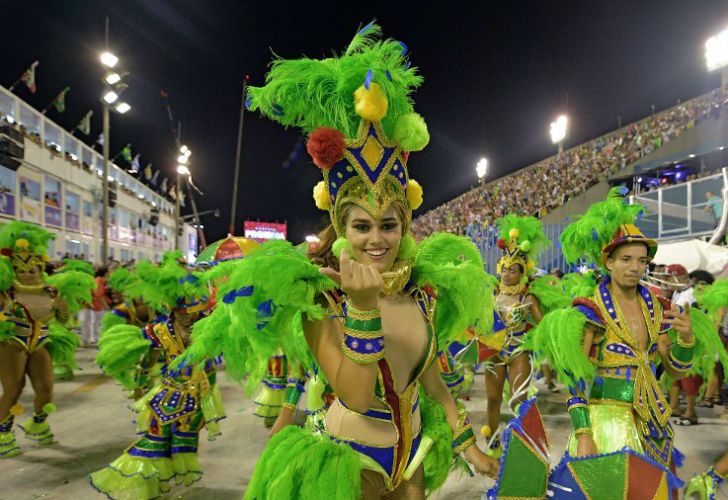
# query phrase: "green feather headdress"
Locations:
[[605, 226], [520, 239], [25, 244], [357, 110], [168, 286]]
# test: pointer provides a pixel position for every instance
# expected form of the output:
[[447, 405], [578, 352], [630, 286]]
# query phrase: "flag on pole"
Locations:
[[84, 125], [163, 187], [28, 77], [100, 140], [148, 172], [135, 167], [155, 178], [60, 100], [126, 153]]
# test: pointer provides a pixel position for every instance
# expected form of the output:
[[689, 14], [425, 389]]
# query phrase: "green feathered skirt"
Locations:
[[300, 465]]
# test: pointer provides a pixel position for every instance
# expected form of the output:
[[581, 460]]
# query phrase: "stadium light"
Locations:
[[122, 107], [112, 78], [109, 60], [182, 159], [183, 170], [716, 51], [185, 150], [557, 130], [481, 169], [110, 97]]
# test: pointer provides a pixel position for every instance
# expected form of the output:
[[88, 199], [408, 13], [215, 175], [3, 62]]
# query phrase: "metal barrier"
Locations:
[[682, 211]]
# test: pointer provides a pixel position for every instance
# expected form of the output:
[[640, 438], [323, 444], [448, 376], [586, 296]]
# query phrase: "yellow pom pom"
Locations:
[[321, 196], [513, 233], [16, 410], [485, 431], [22, 243], [414, 194], [370, 104], [531, 266], [46, 258]]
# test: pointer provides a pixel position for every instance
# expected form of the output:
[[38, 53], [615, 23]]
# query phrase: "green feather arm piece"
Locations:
[[74, 287], [559, 337], [707, 344], [7, 274], [110, 319], [76, 265], [439, 459], [453, 267], [550, 294], [63, 345], [120, 350], [579, 285], [259, 309], [311, 93], [585, 238], [714, 298]]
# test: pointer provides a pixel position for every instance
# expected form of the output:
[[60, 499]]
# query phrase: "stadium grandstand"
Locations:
[[676, 146]]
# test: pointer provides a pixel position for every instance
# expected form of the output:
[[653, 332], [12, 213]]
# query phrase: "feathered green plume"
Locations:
[[76, 265], [133, 286], [560, 338], [260, 308], [161, 286], [74, 287], [439, 459], [312, 93], [579, 285], [120, 349], [531, 239], [550, 294], [7, 274], [119, 279], [37, 237], [585, 238], [714, 298], [297, 464], [108, 320], [453, 267], [63, 345], [708, 345]]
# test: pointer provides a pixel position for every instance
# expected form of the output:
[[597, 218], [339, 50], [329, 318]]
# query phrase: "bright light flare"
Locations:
[[312, 238], [110, 97], [183, 170], [558, 129], [122, 107], [182, 159], [716, 51], [109, 60], [112, 78], [481, 168]]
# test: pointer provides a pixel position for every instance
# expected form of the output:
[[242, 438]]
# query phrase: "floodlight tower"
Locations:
[[557, 130]]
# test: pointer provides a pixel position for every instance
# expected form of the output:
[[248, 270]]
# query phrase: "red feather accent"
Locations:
[[326, 147], [7, 252], [501, 243]]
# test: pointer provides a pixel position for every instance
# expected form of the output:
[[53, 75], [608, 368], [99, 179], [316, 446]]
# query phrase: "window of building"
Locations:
[[53, 192]]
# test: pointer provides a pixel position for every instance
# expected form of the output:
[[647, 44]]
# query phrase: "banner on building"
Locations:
[[265, 231]]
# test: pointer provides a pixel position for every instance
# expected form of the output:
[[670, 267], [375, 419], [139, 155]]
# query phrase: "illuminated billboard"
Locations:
[[265, 231]]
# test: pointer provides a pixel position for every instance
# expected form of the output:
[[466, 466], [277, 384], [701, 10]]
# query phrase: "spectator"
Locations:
[[714, 206], [91, 316]]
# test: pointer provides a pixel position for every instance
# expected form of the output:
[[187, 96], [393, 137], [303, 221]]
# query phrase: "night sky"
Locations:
[[496, 74]]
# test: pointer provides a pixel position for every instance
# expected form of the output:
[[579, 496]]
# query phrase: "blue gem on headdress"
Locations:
[[595, 235], [389, 75], [405, 49], [248, 102], [230, 297], [265, 313], [277, 110], [368, 79]]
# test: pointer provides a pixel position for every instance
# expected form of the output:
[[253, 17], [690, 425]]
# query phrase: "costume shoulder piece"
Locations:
[[452, 268]]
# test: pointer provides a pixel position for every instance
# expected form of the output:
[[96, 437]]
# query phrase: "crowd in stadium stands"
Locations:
[[550, 183]]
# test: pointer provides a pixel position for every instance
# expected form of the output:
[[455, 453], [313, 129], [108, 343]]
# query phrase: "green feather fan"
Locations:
[[585, 238], [714, 298], [63, 345], [439, 459], [559, 337], [74, 287], [312, 93], [260, 308], [299, 465], [110, 319], [120, 349], [550, 294], [453, 267], [76, 265]]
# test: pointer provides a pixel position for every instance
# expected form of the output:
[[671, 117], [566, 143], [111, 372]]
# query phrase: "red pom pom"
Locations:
[[501, 244], [429, 291], [326, 147], [7, 252]]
